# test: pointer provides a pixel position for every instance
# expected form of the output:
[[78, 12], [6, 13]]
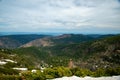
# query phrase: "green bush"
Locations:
[[8, 71], [81, 72], [33, 76], [112, 71], [99, 73], [9, 77], [106, 72], [57, 72]]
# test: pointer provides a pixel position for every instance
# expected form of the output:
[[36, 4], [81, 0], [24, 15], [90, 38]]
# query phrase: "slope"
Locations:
[[15, 41]]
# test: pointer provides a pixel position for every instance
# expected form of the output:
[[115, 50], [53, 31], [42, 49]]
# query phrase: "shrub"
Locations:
[[81, 72], [33, 76], [9, 77]]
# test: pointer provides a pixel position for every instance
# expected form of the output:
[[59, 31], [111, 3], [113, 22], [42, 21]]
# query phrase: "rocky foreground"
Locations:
[[89, 78]]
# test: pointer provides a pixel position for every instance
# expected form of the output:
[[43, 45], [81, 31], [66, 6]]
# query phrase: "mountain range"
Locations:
[[28, 40], [15, 41], [86, 51]]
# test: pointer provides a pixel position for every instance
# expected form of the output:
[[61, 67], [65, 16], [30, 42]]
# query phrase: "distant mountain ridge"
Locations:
[[15, 41], [28, 40], [63, 39], [39, 42]]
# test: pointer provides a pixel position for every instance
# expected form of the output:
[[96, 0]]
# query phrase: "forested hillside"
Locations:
[[15, 41], [64, 39], [97, 57], [100, 52]]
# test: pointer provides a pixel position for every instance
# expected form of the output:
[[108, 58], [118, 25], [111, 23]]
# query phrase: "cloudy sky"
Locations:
[[60, 16]]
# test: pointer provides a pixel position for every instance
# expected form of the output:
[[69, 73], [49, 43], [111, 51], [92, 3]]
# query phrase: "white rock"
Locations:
[[89, 78], [34, 71], [2, 62], [21, 69], [8, 60]]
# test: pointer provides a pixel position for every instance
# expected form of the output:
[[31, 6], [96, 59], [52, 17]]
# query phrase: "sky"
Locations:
[[60, 16]]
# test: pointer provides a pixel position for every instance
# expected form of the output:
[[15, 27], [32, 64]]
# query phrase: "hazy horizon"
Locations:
[[49, 33]]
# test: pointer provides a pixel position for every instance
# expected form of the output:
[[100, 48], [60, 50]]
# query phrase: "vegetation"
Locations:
[[92, 58], [15, 41], [10, 77], [56, 72]]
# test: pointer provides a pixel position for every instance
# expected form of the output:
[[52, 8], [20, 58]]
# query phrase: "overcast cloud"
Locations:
[[71, 16]]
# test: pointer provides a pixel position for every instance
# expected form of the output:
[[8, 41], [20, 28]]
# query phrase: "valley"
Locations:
[[94, 56]]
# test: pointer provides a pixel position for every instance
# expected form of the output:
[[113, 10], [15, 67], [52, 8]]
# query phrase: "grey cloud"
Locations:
[[60, 15]]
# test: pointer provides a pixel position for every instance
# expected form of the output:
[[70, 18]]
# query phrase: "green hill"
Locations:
[[90, 58], [15, 41], [100, 51]]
